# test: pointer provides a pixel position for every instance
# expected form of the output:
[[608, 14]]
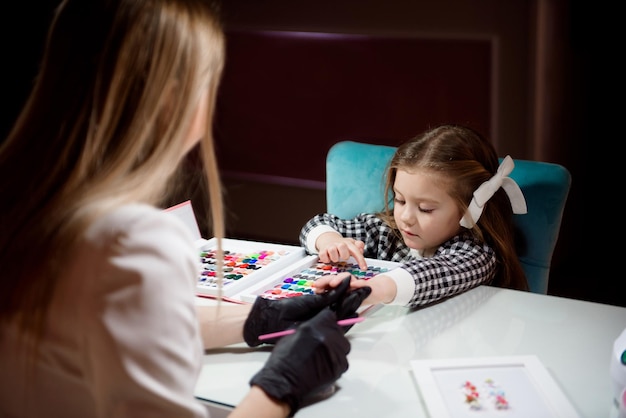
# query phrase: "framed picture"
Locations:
[[503, 387]]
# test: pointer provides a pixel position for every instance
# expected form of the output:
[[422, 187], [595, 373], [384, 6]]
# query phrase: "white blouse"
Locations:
[[122, 337]]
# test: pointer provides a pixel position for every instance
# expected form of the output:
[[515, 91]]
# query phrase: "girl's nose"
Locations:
[[406, 215]]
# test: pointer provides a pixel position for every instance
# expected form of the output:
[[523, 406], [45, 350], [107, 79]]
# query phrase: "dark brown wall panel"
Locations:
[[287, 97]]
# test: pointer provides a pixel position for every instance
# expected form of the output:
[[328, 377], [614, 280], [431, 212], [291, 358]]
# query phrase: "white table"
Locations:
[[572, 338]]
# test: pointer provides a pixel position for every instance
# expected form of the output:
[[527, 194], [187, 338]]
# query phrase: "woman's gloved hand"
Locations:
[[267, 315], [304, 362]]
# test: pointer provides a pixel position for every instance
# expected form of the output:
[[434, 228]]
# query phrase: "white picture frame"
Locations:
[[526, 387]]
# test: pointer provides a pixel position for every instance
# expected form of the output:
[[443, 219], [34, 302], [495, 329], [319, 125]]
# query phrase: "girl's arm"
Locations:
[[459, 265], [384, 288]]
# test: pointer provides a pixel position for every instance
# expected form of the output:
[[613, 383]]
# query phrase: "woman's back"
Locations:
[[123, 338]]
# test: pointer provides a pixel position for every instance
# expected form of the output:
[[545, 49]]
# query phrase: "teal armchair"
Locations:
[[355, 175]]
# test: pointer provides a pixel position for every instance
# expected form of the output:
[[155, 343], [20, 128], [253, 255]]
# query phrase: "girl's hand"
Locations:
[[383, 287], [333, 248]]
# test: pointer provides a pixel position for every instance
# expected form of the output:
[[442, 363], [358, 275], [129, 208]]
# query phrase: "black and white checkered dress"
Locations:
[[458, 265]]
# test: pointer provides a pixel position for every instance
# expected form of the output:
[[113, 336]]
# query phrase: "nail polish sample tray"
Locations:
[[297, 279], [245, 264], [254, 268]]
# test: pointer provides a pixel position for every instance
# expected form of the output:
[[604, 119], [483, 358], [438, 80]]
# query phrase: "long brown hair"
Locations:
[[105, 125], [466, 159]]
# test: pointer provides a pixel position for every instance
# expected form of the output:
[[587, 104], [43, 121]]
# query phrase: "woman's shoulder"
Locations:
[[139, 248], [142, 232], [127, 215], [131, 219]]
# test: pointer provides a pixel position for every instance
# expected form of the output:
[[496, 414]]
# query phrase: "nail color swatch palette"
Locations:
[[245, 263], [299, 278]]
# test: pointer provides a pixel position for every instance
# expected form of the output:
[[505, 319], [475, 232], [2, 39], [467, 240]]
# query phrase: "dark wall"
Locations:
[[545, 73], [286, 97], [274, 212], [23, 30]]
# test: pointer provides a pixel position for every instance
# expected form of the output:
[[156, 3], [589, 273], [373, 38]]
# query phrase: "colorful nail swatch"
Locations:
[[236, 265], [301, 283]]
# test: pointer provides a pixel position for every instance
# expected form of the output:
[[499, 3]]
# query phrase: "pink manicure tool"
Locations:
[[341, 322]]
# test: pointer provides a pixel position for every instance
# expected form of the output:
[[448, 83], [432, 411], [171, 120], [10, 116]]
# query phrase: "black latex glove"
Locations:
[[313, 357], [268, 315]]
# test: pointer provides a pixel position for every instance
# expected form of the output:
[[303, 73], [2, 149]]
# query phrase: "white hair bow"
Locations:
[[486, 190]]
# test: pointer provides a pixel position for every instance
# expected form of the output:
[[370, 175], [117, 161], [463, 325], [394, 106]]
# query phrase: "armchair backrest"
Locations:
[[355, 174]]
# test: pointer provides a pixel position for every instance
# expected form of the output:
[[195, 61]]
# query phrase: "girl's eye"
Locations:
[[424, 210], [398, 201]]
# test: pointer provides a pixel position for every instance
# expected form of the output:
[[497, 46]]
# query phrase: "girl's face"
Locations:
[[424, 212]]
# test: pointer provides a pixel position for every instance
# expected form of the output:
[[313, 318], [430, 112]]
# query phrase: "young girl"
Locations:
[[97, 308], [450, 226]]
